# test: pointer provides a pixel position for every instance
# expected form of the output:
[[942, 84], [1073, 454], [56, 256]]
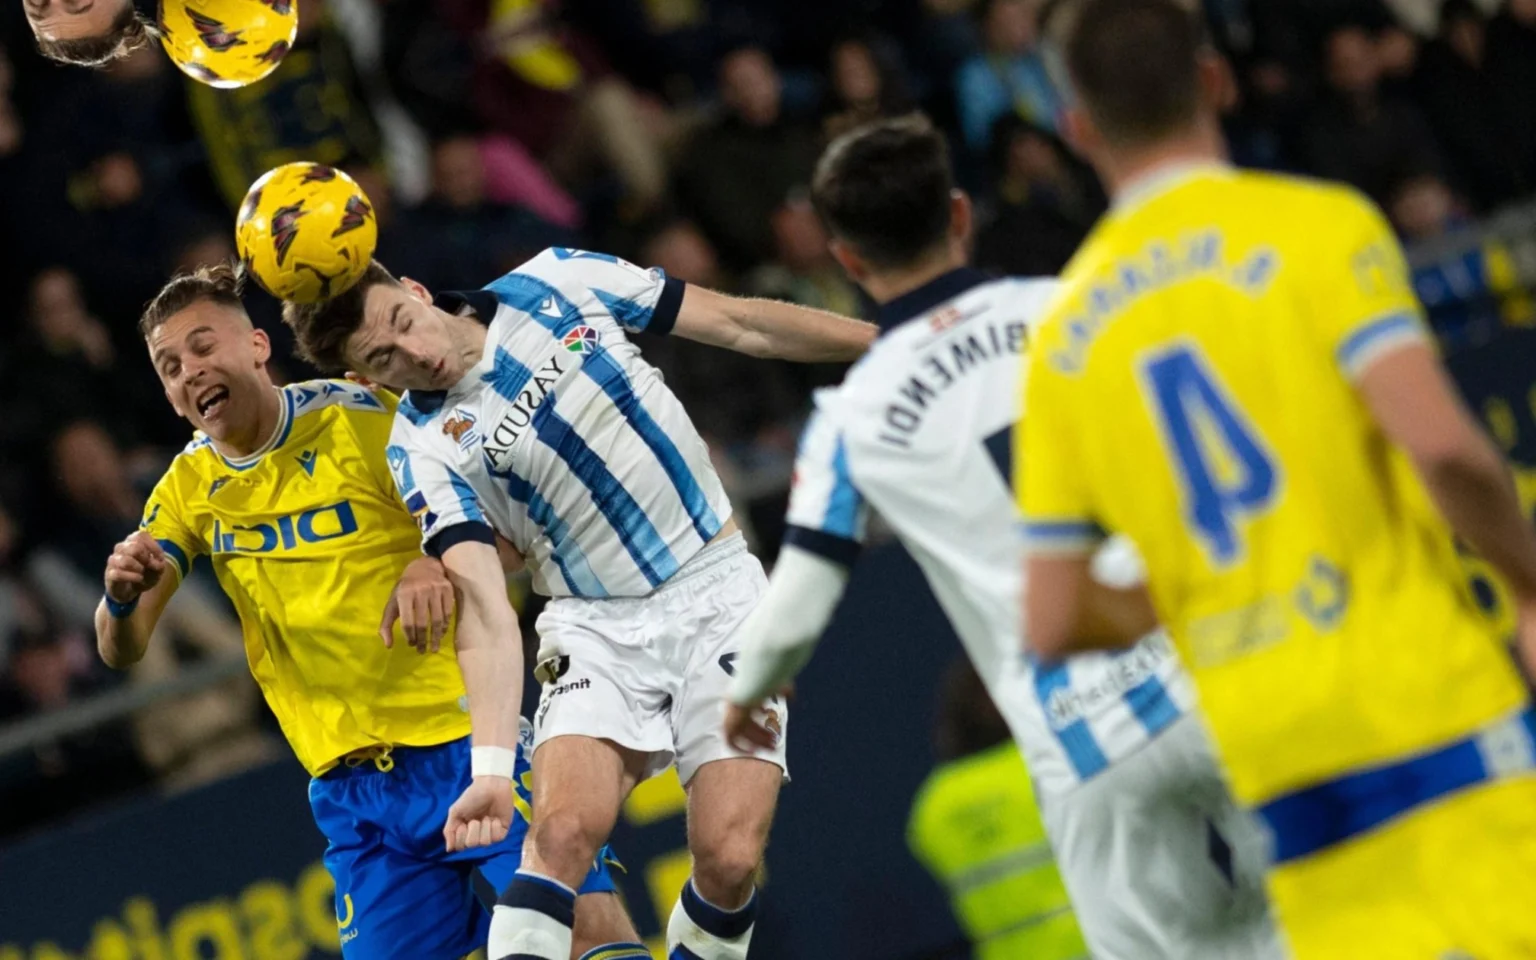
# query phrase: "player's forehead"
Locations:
[[71, 19], [385, 305], [204, 318]]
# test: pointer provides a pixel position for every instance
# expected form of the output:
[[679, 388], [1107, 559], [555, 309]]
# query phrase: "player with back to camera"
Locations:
[[531, 415], [1237, 376], [287, 492], [1160, 864]]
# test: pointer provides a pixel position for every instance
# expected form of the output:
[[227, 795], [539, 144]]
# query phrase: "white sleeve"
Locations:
[[434, 481], [827, 514], [639, 300], [779, 636]]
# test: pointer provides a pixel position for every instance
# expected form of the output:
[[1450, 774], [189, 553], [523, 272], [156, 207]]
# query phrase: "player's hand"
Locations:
[[423, 604], [135, 566], [481, 816], [745, 732]]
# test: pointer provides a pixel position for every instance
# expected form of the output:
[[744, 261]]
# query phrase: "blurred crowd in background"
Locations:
[[680, 134]]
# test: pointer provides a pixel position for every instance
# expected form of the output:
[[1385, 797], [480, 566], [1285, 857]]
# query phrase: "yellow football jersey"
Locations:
[[1192, 387], [308, 537]]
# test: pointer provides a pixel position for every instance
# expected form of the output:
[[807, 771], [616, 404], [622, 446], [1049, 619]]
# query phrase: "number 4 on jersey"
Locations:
[[1226, 473]]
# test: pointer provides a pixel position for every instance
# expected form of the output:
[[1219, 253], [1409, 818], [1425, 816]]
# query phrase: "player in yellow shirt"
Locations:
[[288, 492], [1237, 375]]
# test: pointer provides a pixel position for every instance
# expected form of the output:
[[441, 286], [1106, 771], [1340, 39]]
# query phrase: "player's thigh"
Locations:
[[579, 783], [730, 810], [601, 918], [1452, 880]]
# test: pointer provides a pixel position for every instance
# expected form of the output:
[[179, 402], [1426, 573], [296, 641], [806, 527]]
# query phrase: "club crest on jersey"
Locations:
[[582, 340], [285, 226], [214, 34], [355, 215], [460, 427]]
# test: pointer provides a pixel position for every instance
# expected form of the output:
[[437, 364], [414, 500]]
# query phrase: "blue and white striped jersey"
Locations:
[[920, 431], [563, 439]]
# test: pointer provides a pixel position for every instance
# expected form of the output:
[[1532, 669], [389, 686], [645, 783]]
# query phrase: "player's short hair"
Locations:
[[1134, 65], [128, 32], [323, 328], [219, 283], [885, 189]]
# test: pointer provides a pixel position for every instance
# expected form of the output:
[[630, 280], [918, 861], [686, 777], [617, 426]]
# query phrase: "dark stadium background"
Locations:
[[158, 814]]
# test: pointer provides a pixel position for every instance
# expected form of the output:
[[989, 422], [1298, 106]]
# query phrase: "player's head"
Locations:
[[86, 33], [1139, 73], [886, 193], [385, 329], [209, 358]]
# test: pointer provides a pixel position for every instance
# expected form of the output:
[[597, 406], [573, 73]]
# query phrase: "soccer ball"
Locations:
[[306, 232], [228, 43]]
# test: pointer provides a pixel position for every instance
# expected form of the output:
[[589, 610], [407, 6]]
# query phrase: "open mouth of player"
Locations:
[[210, 403]]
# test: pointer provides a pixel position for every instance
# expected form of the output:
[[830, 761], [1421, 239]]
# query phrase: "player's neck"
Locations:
[[469, 344], [887, 285], [1124, 171], [258, 433]]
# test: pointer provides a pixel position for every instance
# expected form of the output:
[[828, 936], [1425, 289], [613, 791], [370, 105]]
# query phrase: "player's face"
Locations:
[[72, 19], [406, 343], [212, 364]]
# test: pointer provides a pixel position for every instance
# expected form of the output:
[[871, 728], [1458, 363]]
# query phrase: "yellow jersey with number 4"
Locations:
[[1193, 388], [308, 538]]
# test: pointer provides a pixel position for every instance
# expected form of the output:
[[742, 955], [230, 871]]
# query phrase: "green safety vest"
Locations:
[[976, 827]]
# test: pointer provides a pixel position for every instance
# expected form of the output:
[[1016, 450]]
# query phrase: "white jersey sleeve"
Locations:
[[827, 514], [436, 480], [639, 300]]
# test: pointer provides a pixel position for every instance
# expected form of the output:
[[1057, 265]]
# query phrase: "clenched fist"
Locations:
[[135, 566]]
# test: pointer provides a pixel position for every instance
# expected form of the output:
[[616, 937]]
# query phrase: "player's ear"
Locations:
[[1218, 89], [417, 290], [261, 345], [849, 260]]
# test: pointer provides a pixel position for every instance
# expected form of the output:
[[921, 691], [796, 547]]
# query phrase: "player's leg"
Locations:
[[730, 810], [578, 785], [731, 795], [604, 930]]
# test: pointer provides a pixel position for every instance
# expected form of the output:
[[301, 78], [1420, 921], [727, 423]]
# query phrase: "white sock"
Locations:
[[699, 930], [532, 920]]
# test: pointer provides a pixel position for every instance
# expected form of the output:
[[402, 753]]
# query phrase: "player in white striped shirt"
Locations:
[[1158, 860], [530, 415]]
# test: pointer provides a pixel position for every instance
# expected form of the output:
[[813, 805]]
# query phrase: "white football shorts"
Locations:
[[651, 673], [1160, 863]]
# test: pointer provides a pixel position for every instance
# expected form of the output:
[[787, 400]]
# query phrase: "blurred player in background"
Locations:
[[86, 33], [1159, 861], [531, 415], [1237, 375], [287, 491]]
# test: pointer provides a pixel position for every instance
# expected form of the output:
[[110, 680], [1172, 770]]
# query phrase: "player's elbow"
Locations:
[[1047, 644], [117, 655]]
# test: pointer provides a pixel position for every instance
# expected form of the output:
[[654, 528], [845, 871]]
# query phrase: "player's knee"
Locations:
[[562, 840], [727, 861]]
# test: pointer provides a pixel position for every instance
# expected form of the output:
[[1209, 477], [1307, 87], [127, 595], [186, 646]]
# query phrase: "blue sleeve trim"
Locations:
[[118, 611], [466, 532], [828, 546], [664, 315], [174, 551], [1062, 536], [1367, 342]]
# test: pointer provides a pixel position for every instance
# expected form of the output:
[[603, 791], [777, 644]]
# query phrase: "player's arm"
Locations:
[[826, 526], [770, 329], [137, 591], [1067, 610]]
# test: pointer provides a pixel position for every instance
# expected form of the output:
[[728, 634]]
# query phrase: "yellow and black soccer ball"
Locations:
[[228, 43], [306, 232]]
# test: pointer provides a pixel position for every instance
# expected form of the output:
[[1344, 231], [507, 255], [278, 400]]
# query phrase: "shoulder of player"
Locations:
[[309, 397], [1301, 198]]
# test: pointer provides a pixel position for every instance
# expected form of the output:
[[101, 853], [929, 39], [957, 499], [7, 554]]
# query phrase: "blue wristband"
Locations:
[[120, 610]]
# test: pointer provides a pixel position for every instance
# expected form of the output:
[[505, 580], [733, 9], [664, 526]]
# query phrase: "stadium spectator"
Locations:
[[867, 82], [1043, 205], [458, 236], [738, 168], [802, 270], [1007, 76], [1468, 105], [1423, 208], [1358, 133]]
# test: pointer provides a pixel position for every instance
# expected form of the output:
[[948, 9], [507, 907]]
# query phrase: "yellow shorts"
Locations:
[[1452, 880]]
